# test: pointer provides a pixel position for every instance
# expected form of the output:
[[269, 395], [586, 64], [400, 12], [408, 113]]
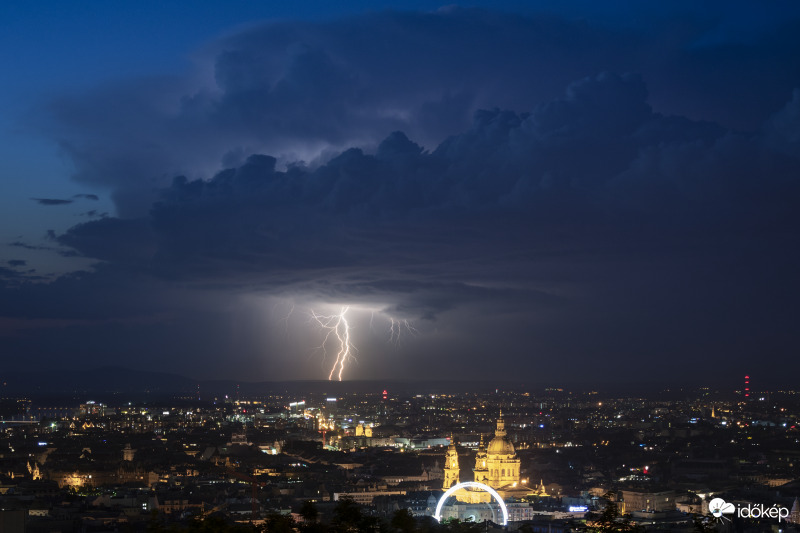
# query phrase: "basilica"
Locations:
[[496, 465]]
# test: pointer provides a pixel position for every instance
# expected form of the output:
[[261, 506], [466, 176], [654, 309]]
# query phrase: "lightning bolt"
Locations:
[[396, 326], [338, 327], [285, 320], [394, 331]]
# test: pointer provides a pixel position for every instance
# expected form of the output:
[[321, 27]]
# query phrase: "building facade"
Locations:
[[451, 468], [502, 464]]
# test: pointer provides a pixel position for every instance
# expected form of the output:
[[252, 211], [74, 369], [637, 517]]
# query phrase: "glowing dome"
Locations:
[[500, 446]]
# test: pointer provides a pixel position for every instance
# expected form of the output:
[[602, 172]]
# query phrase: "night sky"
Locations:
[[550, 192]]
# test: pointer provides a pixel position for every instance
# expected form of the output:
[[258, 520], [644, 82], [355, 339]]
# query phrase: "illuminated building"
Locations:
[[481, 469], [363, 431], [497, 465], [128, 453], [296, 409], [650, 501], [451, 465], [502, 462], [794, 515]]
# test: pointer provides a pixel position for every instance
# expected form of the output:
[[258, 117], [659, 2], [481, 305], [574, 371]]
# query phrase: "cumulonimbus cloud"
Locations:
[[502, 185], [304, 90], [545, 176]]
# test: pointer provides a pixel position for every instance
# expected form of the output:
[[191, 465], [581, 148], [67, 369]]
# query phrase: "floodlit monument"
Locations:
[[496, 477]]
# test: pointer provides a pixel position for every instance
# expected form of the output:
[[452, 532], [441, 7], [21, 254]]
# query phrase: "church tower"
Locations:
[[451, 465], [481, 470], [128, 452]]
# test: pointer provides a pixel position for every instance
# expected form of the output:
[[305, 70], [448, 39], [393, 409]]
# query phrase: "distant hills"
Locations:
[[118, 382], [115, 384], [106, 381]]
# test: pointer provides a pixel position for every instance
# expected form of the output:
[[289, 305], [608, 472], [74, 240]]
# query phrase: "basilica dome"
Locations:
[[500, 446]]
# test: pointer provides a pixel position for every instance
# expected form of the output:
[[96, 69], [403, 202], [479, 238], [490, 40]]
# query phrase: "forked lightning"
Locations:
[[336, 325], [338, 330], [396, 326]]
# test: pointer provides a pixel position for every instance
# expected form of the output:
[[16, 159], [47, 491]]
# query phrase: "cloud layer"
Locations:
[[303, 90], [540, 195]]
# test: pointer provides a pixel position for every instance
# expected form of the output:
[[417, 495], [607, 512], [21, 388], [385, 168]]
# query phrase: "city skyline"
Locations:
[[555, 458], [546, 193]]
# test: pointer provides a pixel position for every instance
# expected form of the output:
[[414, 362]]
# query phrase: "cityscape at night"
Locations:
[[291, 460], [400, 266]]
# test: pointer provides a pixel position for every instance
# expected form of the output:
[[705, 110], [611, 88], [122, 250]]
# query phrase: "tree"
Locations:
[[216, 524], [403, 521], [467, 526], [347, 515], [309, 511], [428, 524], [702, 524], [278, 523], [348, 518], [525, 528], [612, 521]]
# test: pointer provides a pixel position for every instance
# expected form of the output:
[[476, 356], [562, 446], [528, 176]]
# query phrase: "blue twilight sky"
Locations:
[[590, 179]]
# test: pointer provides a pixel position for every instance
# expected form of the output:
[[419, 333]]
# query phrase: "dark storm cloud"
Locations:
[[51, 201], [587, 227], [431, 229], [20, 244], [10, 278], [106, 293], [17, 262], [300, 90], [87, 196], [110, 239], [94, 213], [635, 216], [8, 274]]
